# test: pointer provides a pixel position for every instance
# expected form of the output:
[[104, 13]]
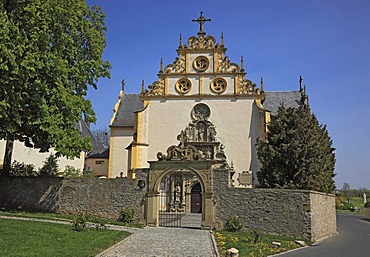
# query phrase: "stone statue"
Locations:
[[365, 200]]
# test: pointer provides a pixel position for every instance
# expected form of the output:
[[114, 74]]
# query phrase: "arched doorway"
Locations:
[[196, 199], [178, 191]]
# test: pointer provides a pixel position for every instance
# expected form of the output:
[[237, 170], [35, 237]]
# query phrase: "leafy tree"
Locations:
[[297, 153], [50, 51], [50, 168]]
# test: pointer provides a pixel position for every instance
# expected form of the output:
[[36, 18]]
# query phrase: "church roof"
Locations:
[[129, 104], [273, 100]]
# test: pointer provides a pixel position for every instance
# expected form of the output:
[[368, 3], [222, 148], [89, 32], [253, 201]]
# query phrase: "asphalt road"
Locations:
[[353, 240]]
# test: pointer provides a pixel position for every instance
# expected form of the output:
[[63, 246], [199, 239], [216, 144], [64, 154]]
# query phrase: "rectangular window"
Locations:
[[99, 162]]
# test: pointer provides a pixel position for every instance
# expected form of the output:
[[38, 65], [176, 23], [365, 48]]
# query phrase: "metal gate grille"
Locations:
[[172, 201]]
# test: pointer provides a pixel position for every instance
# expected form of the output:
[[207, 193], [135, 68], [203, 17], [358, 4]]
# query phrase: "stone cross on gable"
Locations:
[[201, 20]]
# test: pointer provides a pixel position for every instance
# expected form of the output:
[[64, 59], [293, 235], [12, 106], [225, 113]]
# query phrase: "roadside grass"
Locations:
[[31, 238], [65, 217], [252, 243], [356, 201]]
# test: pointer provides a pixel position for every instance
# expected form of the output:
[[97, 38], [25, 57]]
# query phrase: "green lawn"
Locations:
[[356, 201], [63, 217], [245, 243], [30, 238]]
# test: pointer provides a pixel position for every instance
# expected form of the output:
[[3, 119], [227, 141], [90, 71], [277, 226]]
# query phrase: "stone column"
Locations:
[[208, 213], [152, 209]]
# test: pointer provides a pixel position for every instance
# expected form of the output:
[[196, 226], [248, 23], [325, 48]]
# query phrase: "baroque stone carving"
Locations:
[[178, 66], [197, 141], [246, 87], [201, 42], [157, 88]]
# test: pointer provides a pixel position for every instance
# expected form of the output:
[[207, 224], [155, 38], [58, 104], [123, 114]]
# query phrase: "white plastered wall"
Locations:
[[237, 124], [21, 153], [121, 138]]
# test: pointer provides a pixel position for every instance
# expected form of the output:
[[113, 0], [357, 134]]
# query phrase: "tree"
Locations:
[[297, 153], [50, 168], [50, 52], [101, 138], [346, 190]]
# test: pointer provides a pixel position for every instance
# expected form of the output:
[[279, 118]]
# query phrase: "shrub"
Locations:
[[257, 236], [50, 168], [234, 224], [348, 206], [79, 223], [23, 170], [70, 172], [126, 215]]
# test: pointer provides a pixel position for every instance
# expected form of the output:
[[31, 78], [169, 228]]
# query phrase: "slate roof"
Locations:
[[129, 104], [273, 100], [104, 153]]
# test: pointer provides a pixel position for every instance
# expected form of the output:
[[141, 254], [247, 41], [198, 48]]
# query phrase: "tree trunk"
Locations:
[[7, 158]]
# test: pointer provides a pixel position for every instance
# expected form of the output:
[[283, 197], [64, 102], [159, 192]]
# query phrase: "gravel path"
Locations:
[[164, 242]]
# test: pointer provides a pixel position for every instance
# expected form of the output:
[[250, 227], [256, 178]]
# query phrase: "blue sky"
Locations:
[[325, 41]]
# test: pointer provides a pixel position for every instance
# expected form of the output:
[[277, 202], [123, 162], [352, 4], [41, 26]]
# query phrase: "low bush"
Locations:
[[348, 206], [79, 223], [126, 215], [234, 224]]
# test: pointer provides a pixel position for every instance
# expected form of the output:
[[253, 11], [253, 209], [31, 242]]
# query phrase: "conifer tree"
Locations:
[[297, 153], [50, 52]]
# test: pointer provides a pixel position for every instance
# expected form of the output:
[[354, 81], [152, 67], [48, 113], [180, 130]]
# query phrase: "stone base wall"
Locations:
[[297, 213], [91, 196]]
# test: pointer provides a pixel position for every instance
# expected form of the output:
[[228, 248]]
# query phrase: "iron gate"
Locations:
[[172, 201]]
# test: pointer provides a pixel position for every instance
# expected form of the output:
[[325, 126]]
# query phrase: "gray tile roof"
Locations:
[[273, 100], [104, 153], [130, 103]]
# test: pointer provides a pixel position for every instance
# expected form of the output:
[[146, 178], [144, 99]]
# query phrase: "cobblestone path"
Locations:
[[164, 242]]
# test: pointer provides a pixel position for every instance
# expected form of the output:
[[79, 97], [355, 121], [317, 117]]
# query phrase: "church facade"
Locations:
[[201, 104], [201, 117]]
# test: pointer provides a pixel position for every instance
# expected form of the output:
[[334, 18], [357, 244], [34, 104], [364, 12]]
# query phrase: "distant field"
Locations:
[[30, 238]]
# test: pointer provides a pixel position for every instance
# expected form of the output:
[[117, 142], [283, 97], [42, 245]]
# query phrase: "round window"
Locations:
[[201, 63], [183, 86], [218, 85]]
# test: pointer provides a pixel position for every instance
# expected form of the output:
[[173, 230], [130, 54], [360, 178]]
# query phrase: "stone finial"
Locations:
[[161, 67], [242, 64], [142, 87], [262, 86], [222, 39], [180, 43], [300, 83]]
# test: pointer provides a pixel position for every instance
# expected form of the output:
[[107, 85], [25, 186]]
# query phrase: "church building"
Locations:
[[202, 107]]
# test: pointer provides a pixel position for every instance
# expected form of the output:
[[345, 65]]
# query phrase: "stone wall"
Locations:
[[92, 196], [297, 213], [323, 215]]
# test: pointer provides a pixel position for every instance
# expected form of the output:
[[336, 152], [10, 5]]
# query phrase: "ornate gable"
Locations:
[[202, 69]]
